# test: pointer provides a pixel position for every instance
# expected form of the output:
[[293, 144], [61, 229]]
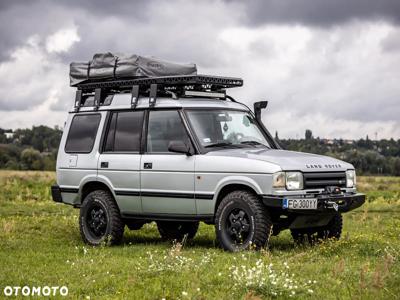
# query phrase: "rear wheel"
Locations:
[[242, 222], [172, 230], [311, 235], [100, 220]]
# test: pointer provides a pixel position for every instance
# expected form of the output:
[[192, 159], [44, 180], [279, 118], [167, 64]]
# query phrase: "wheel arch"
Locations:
[[97, 184], [235, 184]]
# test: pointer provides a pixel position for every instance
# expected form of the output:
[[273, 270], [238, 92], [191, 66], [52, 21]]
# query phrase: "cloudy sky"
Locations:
[[331, 66]]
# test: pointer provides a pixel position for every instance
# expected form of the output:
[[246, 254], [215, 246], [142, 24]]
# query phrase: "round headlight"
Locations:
[[294, 180]]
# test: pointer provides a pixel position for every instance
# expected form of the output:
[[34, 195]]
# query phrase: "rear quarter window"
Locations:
[[82, 133]]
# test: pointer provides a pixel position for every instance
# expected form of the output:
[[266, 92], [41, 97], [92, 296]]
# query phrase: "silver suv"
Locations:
[[178, 150]]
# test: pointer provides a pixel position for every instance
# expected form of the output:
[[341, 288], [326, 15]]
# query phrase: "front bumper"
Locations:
[[345, 202]]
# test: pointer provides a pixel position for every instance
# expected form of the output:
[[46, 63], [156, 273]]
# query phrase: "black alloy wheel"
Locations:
[[96, 220], [100, 220], [242, 222], [238, 226]]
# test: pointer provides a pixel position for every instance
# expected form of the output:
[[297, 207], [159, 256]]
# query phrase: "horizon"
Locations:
[[297, 137]]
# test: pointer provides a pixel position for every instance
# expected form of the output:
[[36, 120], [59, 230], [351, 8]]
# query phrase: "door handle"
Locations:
[[104, 164], [147, 165]]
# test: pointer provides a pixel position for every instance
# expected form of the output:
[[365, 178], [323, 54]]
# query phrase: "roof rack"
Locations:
[[151, 86], [213, 82]]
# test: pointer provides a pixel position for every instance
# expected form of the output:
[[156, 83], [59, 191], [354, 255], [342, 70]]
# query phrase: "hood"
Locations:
[[288, 160]]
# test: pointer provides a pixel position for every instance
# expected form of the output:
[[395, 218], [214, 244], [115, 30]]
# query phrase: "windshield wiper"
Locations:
[[220, 144], [255, 143]]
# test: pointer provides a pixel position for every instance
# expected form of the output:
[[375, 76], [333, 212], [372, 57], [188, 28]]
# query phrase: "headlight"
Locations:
[[290, 180], [350, 178], [278, 180], [294, 180]]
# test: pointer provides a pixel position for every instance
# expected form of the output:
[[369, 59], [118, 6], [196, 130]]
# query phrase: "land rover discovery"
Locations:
[[178, 150]]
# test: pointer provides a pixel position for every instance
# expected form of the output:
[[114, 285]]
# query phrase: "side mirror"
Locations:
[[258, 106], [179, 147]]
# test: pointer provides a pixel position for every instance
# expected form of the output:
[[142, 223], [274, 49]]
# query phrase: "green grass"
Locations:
[[40, 245]]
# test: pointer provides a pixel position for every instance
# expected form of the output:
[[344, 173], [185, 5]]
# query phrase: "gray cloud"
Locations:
[[287, 51], [320, 13], [20, 19]]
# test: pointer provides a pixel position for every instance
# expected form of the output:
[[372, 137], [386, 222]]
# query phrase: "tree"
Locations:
[[276, 135], [309, 134], [31, 159]]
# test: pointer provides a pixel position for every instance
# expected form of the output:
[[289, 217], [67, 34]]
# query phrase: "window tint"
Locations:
[[109, 146], [124, 132], [82, 133], [164, 127]]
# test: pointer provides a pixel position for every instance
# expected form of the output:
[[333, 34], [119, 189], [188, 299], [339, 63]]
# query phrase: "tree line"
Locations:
[[369, 157], [29, 149], [36, 149]]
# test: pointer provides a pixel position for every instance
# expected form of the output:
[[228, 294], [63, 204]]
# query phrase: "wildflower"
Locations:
[[184, 293]]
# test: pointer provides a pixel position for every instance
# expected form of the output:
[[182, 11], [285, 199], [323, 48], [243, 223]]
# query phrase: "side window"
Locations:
[[82, 133], [164, 127], [124, 132]]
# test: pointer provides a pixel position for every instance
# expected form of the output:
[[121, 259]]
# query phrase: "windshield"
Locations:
[[226, 128]]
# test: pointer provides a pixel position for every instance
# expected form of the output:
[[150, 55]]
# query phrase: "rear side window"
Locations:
[[82, 133], [124, 132]]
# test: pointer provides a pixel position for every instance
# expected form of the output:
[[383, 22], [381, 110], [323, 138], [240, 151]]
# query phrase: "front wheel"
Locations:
[[100, 220], [311, 235], [242, 222]]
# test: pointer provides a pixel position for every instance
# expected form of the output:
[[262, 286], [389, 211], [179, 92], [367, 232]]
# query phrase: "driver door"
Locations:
[[167, 179]]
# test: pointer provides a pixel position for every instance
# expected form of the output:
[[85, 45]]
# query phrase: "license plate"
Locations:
[[291, 203]]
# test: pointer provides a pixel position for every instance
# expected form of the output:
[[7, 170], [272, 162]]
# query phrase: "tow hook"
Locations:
[[331, 204]]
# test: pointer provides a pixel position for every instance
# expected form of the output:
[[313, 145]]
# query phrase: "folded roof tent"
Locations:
[[109, 66], [110, 74]]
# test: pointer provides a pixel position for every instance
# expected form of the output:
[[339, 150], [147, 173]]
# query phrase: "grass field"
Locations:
[[40, 246]]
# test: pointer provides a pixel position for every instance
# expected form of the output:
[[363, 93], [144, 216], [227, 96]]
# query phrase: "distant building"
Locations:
[[337, 141], [9, 134], [348, 142]]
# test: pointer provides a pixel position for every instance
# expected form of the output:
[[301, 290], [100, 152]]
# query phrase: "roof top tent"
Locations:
[[110, 74]]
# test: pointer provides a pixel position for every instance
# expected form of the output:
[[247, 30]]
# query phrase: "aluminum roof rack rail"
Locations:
[[201, 81], [199, 85]]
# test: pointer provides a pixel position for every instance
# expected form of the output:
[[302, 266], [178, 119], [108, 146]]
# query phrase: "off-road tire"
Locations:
[[312, 235], [172, 230], [255, 216], [112, 231]]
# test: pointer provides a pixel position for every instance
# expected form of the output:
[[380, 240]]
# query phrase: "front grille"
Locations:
[[322, 180]]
